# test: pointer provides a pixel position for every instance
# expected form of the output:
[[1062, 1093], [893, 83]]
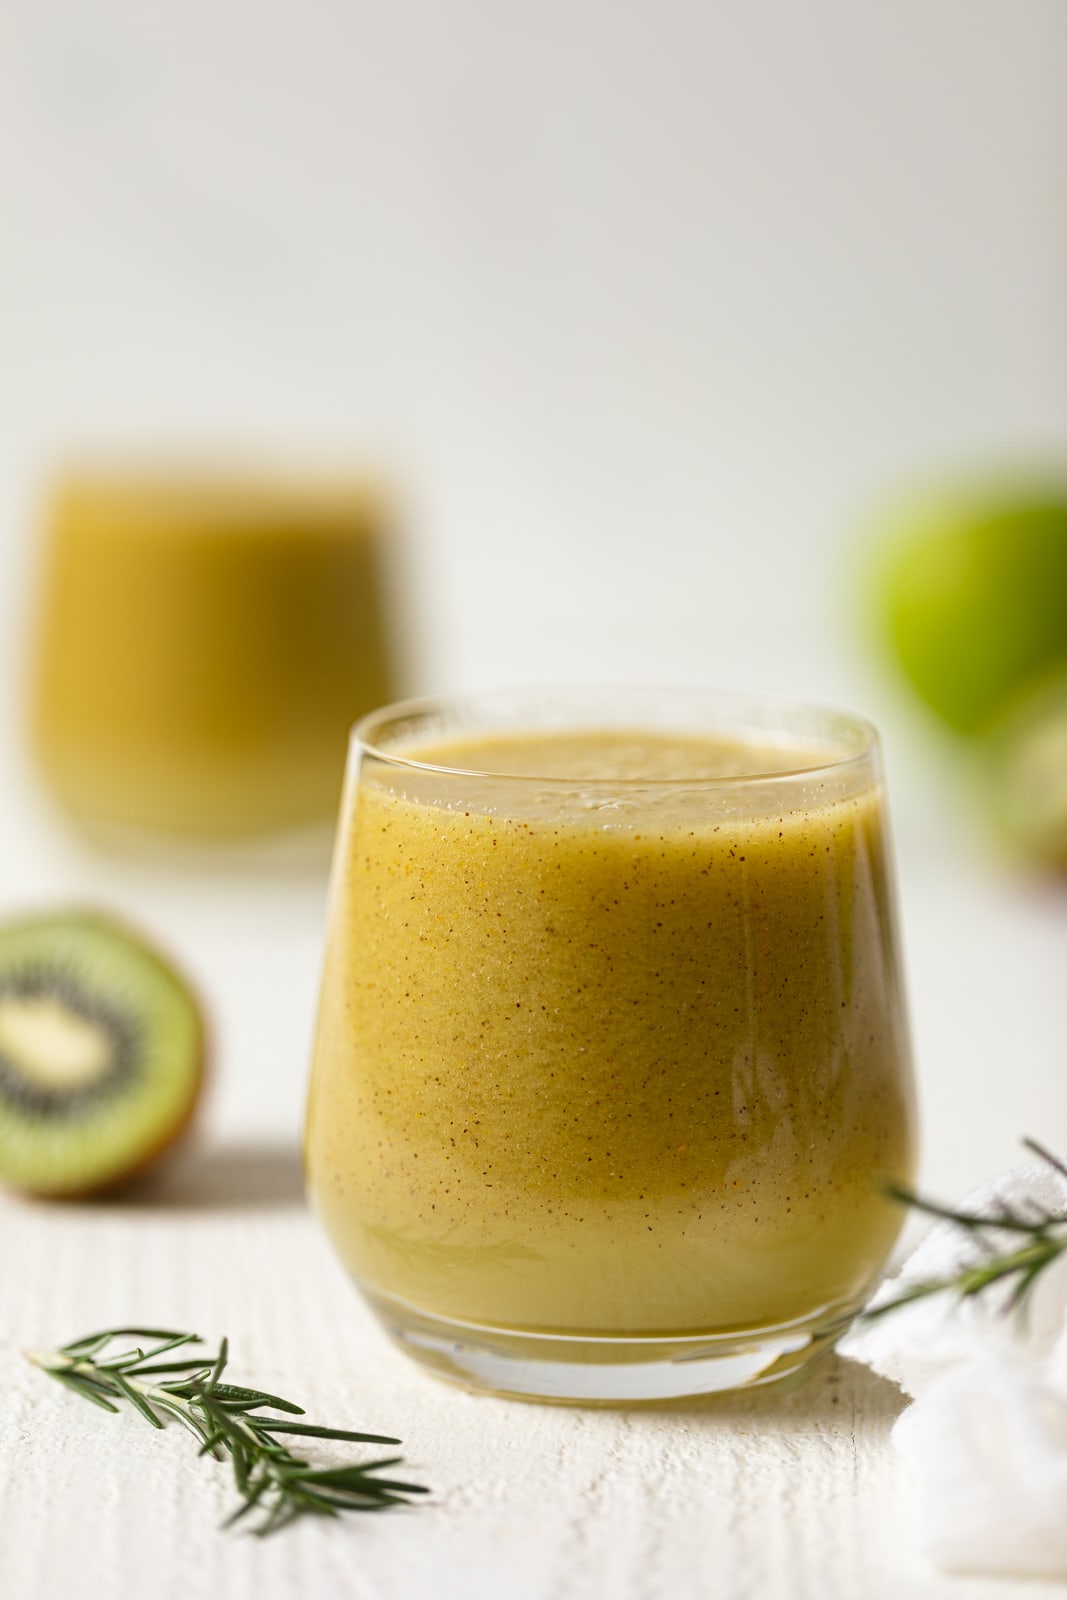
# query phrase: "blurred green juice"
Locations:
[[627, 1064], [204, 643]]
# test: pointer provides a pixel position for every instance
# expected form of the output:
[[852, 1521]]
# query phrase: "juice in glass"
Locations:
[[205, 641], [611, 1055]]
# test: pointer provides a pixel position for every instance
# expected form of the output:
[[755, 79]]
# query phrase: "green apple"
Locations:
[[971, 590], [1027, 770]]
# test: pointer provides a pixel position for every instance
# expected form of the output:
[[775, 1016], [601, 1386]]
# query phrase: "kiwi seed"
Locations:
[[101, 1054]]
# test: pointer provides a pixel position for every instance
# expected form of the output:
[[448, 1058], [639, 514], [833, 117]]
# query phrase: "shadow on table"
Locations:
[[225, 1177], [833, 1390]]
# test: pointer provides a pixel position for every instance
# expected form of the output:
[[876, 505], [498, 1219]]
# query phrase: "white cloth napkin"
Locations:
[[986, 1437]]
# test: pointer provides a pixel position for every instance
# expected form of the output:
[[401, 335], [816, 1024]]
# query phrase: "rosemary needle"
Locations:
[[1038, 1237], [227, 1420]]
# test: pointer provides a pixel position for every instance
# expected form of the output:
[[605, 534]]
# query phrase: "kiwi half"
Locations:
[[101, 1054]]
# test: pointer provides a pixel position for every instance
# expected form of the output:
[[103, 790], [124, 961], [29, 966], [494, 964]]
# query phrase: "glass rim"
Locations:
[[425, 706]]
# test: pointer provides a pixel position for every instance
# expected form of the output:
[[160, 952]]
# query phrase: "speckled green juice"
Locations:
[[619, 1049]]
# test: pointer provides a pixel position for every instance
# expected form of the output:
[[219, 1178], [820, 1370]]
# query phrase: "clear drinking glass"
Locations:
[[612, 1056], [205, 639]]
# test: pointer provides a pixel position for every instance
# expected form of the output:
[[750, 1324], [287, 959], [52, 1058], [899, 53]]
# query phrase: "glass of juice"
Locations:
[[205, 640], [612, 1061]]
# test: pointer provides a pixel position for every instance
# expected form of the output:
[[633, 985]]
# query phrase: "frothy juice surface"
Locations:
[[618, 1049]]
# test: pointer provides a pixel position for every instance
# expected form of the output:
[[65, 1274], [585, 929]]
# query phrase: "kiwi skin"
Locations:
[[138, 1157]]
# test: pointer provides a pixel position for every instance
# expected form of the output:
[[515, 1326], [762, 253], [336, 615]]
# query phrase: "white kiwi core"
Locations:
[[52, 1046]]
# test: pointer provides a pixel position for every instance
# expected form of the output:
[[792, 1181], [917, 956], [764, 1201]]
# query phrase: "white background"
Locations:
[[647, 307]]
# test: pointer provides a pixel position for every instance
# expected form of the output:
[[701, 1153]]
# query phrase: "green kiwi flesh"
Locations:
[[101, 1054]]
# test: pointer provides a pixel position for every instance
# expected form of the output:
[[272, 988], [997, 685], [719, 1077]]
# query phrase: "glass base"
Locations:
[[291, 850], [589, 1369]]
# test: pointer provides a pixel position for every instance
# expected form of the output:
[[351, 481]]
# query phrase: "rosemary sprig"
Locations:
[[1042, 1235], [227, 1421]]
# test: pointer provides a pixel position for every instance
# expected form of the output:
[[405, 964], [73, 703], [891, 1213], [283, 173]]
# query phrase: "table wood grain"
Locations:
[[760, 1495], [752, 1497]]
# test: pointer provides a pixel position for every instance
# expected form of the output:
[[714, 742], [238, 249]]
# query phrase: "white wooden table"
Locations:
[[762, 1495]]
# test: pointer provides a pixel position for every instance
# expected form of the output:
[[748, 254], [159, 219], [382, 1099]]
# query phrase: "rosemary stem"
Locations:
[[1041, 1239], [226, 1420]]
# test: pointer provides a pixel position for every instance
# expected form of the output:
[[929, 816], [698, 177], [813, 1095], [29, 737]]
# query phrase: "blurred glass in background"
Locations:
[[643, 306], [205, 641]]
